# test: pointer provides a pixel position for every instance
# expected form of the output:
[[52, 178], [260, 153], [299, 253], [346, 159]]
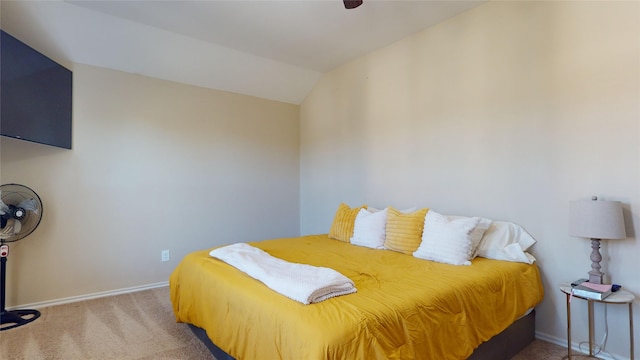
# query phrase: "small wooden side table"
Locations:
[[619, 297]]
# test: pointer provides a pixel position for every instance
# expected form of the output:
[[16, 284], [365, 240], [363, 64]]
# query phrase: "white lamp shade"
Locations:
[[596, 219]]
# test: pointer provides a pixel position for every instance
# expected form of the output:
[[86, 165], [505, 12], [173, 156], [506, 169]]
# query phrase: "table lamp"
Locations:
[[596, 219]]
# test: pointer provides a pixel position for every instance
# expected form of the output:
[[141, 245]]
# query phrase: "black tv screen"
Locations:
[[35, 95]]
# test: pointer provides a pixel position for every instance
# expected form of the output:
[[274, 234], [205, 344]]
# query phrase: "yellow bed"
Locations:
[[405, 308]]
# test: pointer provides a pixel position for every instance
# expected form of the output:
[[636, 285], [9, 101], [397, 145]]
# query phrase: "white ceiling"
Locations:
[[273, 49]]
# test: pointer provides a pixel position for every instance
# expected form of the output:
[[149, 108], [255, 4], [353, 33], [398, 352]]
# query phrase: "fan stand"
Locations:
[[14, 317]]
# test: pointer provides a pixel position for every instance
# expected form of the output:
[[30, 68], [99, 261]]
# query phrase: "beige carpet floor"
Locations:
[[139, 325]]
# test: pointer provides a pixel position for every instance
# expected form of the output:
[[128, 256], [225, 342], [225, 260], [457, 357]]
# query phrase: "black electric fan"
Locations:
[[20, 214], [352, 4]]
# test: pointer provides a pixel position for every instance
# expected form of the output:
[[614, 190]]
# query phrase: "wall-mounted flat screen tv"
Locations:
[[35, 95]]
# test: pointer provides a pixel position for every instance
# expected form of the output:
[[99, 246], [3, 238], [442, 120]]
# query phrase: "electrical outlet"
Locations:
[[165, 255]]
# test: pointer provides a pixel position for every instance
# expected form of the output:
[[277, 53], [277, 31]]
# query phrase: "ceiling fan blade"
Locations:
[[352, 4]]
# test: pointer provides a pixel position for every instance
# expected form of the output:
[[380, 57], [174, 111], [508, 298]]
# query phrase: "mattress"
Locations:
[[405, 308]]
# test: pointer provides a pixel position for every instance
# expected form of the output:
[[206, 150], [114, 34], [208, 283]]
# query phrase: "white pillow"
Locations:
[[405, 211], [445, 241], [506, 241], [477, 233], [369, 229]]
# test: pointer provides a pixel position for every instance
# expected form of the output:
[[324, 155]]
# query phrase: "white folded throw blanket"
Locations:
[[301, 282]]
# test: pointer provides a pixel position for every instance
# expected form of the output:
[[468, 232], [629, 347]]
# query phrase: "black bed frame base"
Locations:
[[503, 346], [216, 351], [509, 342]]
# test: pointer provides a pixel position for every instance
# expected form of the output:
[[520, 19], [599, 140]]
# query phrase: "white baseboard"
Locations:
[[575, 346], [73, 299]]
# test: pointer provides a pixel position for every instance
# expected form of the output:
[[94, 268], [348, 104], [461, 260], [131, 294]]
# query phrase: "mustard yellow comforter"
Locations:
[[405, 308]]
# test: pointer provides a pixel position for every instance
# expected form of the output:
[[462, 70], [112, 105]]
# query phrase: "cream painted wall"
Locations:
[[508, 111], [155, 165]]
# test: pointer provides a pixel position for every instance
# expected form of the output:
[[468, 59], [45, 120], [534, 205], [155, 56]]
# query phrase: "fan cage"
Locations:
[[14, 194]]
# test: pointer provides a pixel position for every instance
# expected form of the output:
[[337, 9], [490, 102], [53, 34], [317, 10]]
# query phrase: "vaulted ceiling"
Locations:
[[270, 49]]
